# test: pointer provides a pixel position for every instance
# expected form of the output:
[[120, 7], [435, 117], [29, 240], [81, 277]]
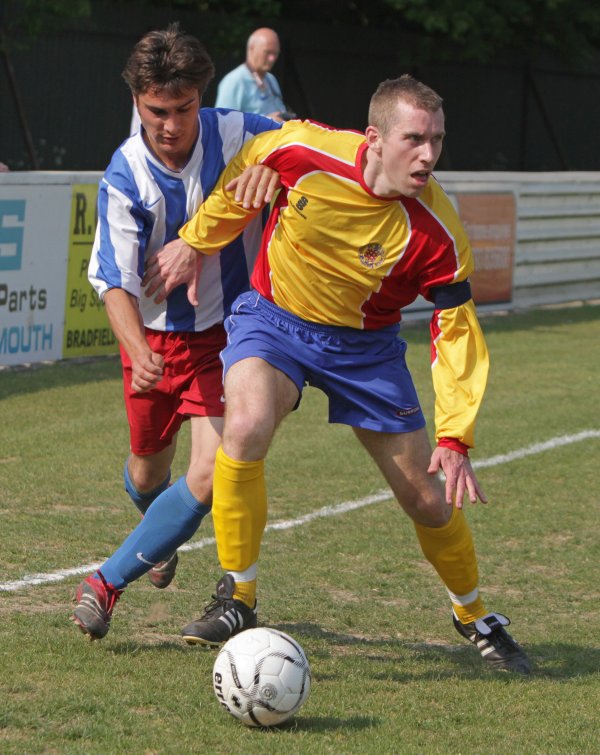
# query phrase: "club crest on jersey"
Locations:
[[371, 255]]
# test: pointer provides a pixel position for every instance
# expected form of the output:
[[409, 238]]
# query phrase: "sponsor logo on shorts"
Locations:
[[371, 255], [407, 412]]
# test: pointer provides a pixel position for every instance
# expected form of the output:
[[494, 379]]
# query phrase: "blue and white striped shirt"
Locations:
[[141, 206]]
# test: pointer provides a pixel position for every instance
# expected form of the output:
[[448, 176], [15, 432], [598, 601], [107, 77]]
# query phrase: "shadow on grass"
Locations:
[[306, 723], [329, 724], [135, 647], [559, 661], [551, 661], [17, 381]]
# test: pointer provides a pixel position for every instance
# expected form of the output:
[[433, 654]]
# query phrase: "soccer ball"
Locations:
[[261, 676]]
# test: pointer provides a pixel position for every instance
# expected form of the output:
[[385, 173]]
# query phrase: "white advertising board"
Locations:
[[32, 271]]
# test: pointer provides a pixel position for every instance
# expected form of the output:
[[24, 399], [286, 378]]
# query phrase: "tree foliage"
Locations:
[[32, 17], [468, 30], [242, 16], [482, 28]]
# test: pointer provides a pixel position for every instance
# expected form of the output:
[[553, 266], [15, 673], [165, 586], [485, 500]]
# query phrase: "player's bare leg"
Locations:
[[148, 472], [205, 439], [259, 396], [446, 541], [146, 477], [403, 459], [240, 499], [206, 435], [171, 520]]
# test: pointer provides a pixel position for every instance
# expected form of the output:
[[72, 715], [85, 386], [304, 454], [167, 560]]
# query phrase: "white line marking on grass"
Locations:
[[326, 511], [536, 448]]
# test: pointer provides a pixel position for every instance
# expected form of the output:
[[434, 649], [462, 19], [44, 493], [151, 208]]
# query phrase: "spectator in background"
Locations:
[[4, 168], [251, 87]]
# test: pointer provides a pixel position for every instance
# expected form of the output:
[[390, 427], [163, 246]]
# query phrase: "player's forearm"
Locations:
[[220, 219], [126, 321], [459, 370]]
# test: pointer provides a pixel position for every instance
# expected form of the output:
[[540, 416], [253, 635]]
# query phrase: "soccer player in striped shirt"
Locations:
[[360, 230], [169, 347]]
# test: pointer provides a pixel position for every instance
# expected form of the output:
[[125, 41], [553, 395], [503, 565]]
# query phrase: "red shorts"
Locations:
[[192, 385]]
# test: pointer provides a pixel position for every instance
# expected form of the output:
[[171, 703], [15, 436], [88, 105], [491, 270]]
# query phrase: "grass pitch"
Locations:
[[390, 675]]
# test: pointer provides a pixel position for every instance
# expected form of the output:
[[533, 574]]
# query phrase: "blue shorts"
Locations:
[[362, 372]]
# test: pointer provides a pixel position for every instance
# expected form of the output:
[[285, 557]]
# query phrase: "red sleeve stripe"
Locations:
[[295, 161], [448, 234], [429, 239]]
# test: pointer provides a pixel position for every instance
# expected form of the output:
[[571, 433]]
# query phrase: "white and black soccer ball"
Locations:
[[262, 677]]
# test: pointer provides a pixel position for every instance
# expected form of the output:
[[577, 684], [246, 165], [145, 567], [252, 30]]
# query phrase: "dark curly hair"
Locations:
[[168, 59]]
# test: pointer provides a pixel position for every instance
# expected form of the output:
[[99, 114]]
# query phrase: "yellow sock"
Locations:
[[246, 592], [468, 612], [450, 550], [239, 513]]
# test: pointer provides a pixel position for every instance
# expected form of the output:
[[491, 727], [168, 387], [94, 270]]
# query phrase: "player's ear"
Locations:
[[373, 136]]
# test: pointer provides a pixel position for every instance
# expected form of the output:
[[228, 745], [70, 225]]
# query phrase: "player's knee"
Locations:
[[199, 479], [427, 507], [437, 515], [247, 435], [146, 477]]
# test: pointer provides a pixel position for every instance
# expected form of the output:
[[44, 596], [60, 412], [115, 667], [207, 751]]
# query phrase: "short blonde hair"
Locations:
[[382, 109]]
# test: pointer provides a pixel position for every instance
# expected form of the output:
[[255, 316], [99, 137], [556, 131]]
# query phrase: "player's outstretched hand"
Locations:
[[256, 186], [460, 477], [174, 264]]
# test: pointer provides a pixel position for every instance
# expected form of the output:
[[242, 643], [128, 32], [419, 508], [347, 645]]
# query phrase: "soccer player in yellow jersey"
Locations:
[[360, 229]]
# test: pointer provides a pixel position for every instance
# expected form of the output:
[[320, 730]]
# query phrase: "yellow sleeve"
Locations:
[[460, 363], [220, 219]]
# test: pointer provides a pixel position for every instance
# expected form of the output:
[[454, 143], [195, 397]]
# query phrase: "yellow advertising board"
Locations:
[[87, 331]]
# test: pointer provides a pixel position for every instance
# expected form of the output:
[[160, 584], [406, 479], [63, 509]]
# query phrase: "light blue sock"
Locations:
[[169, 522], [143, 500]]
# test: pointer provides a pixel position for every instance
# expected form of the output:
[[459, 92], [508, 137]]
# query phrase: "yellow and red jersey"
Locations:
[[335, 253]]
